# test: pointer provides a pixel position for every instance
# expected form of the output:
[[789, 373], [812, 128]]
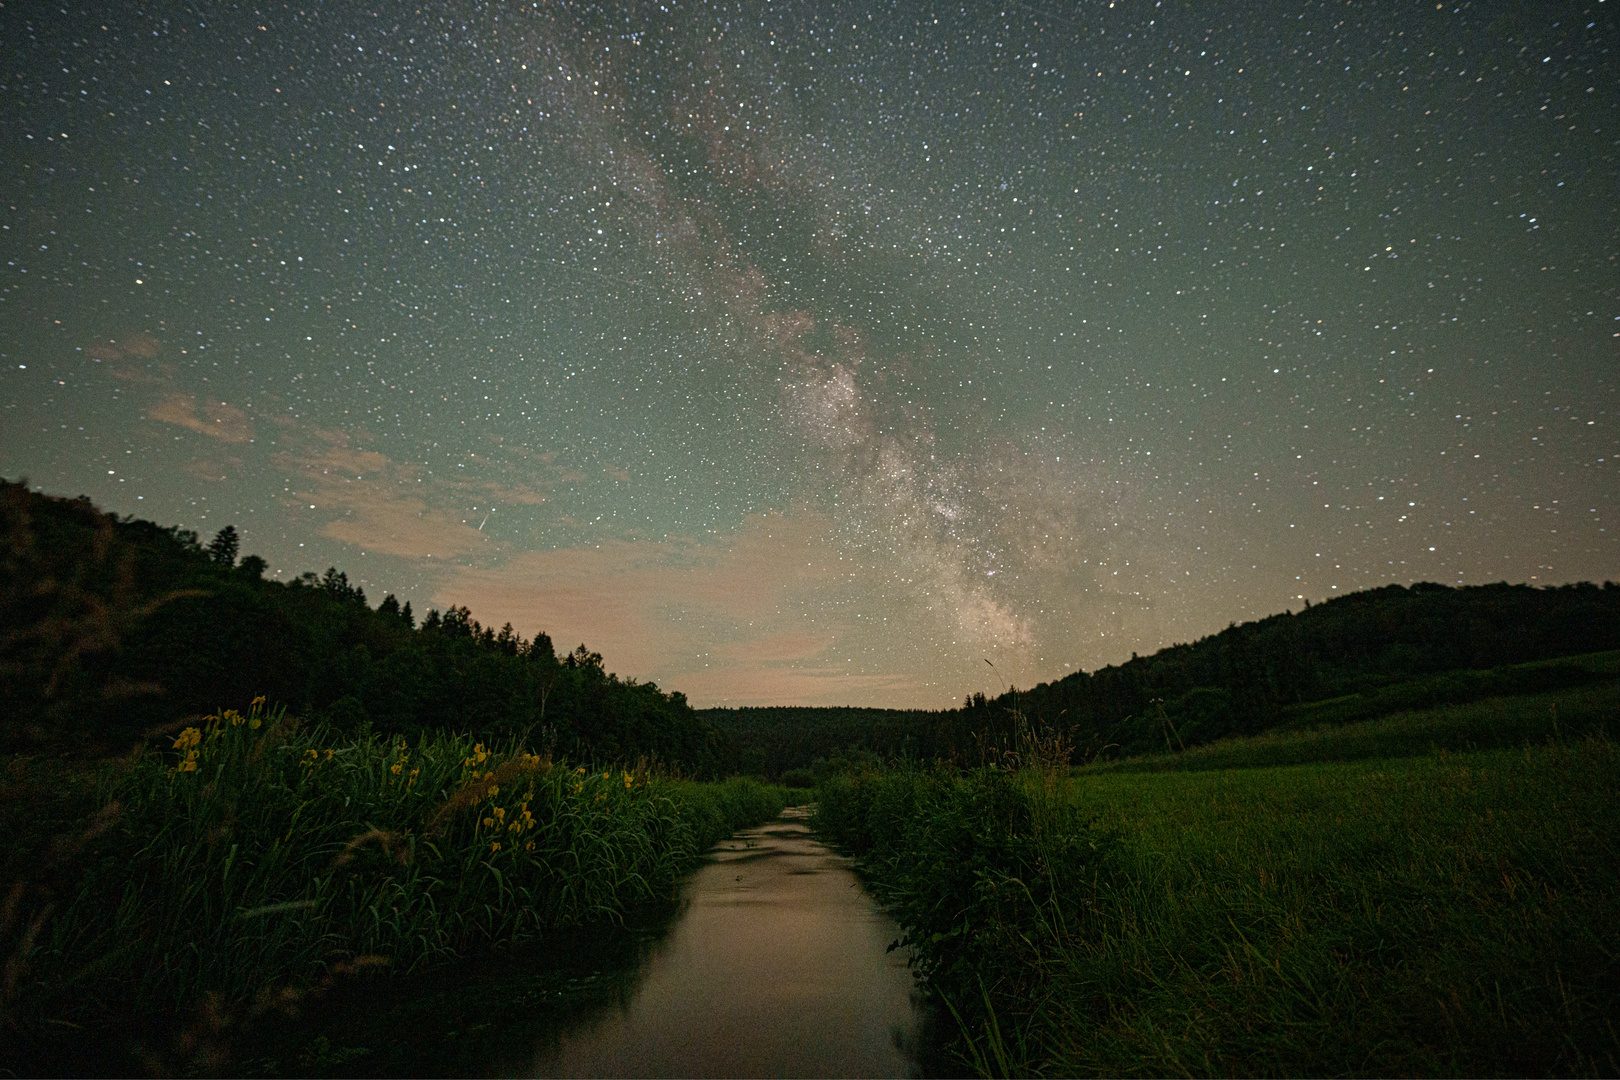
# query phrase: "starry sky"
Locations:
[[816, 353]]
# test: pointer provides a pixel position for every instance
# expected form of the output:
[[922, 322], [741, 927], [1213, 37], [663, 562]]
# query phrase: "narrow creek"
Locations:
[[774, 961], [778, 965]]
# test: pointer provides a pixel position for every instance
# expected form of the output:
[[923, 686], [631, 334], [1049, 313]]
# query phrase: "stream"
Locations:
[[773, 961], [776, 966]]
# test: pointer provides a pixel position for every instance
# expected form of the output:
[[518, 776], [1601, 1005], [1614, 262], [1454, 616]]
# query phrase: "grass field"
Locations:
[[1481, 725], [1432, 893], [256, 861]]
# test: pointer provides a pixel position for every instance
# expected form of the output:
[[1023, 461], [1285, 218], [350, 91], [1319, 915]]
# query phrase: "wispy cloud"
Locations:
[[362, 497], [139, 345], [216, 419], [743, 618], [808, 686]]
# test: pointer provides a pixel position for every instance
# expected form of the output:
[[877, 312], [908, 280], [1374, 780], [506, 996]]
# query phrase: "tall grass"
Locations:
[[257, 856], [1436, 914]]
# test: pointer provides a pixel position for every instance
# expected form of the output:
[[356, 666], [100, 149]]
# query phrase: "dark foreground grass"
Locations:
[[256, 862], [1443, 914]]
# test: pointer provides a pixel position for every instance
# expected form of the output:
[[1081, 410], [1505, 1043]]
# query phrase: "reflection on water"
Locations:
[[773, 963], [481, 1017], [777, 967]]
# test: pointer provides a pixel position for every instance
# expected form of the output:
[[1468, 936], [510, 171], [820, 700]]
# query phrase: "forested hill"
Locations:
[[1365, 654], [110, 627], [1244, 678]]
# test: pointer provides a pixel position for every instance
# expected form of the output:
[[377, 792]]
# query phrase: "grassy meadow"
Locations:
[[1431, 893], [257, 860], [1482, 725]]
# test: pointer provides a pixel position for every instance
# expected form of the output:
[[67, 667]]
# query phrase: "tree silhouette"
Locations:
[[224, 546]]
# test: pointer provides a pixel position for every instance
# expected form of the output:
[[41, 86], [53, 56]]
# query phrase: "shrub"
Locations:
[[977, 868]]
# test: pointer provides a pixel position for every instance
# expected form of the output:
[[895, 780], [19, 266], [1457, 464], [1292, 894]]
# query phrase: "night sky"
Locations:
[[817, 353]]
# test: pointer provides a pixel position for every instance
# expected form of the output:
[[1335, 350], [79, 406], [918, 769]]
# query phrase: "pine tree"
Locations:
[[224, 546]]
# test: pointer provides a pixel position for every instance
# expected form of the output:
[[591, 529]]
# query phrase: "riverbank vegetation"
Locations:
[[256, 859], [397, 795], [1432, 893]]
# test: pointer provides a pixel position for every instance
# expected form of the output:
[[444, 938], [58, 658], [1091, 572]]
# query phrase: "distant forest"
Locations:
[[1355, 656], [113, 627]]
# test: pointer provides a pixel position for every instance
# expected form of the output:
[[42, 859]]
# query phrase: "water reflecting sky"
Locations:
[[778, 966]]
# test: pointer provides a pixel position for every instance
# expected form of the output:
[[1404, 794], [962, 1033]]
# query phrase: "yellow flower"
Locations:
[[529, 846], [258, 701], [494, 846], [397, 766], [489, 821], [188, 738], [329, 754], [493, 791], [500, 813]]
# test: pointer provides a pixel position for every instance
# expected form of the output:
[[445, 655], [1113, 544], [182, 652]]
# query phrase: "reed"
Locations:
[[256, 856]]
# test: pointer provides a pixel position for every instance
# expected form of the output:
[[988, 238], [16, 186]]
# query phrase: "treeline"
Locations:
[[1367, 654], [774, 741], [1264, 674], [110, 627]]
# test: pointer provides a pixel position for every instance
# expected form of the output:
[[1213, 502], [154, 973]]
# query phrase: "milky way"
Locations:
[[819, 353]]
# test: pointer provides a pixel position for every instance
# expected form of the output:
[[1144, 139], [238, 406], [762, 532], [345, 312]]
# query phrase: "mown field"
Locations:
[[1433, 893], [256, 862]]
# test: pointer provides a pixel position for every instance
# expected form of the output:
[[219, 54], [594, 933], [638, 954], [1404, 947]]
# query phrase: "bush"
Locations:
[[975, 867], [798, 778]]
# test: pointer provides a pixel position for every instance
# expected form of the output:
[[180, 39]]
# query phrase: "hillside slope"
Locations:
[[110, 627]]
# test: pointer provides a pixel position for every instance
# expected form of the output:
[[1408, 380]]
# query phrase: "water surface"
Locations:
[[778, 966]]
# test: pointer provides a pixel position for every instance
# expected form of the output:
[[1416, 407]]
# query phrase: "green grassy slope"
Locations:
[[1322, 735], [1374, 898]]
